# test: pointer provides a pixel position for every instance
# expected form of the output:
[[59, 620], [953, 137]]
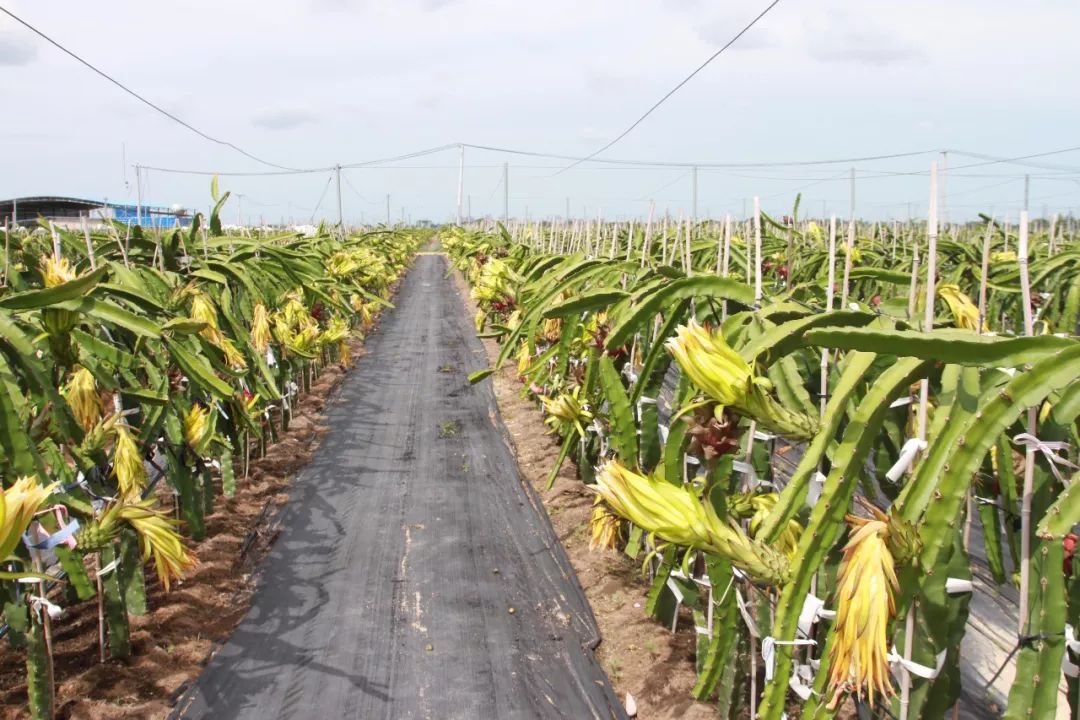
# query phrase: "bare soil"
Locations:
[[175, 639], [641, 658]]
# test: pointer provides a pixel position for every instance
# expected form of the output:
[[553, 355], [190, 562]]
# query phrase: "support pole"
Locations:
[[506, 193], [138, 195], [693, 194], [460, 180], [340, 217], [1029, 454], [924, 400]]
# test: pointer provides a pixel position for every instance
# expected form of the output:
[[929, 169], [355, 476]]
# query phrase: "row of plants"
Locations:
[[140, 375], [809, 487]]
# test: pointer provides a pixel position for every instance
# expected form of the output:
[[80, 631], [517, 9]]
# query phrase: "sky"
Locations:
[[314, 83]]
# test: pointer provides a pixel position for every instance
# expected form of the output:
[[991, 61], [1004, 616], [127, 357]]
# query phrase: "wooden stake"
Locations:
[[725, 260], [847, 264], [757, 250], [89, 244], [1029, 454], [924, 399], [830, 292]]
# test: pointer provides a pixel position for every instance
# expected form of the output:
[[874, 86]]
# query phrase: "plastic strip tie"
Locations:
[[37, 603], [926, 673], [1049, 449], [109, 568], [746, 616], [813, 609], [768, 652], [1070, 639], [907, 456], [958, 586], [60, 537], [817, 485], [802, 681]]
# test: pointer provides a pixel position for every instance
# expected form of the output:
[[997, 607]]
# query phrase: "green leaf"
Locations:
[[480, 375], [947, 346], [111, 313], [199, 370], [644, 309], [71, 290], [592, 300], [623, 431], [183, 326]]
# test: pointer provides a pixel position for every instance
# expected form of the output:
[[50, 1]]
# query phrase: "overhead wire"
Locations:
[[358, 194], [675, 89], [321, 198], [703, 165]]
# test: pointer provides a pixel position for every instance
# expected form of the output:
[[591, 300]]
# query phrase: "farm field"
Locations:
[[618, 339], [578, 360], [765, 406]]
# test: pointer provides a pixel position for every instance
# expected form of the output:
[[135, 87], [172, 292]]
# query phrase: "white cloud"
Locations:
[[16, 48], [283, 119], [841, 36]]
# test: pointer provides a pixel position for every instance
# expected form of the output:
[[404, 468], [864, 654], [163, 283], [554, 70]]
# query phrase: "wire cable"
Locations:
[[357, 192], [321, 198], [302, 171], [675, 89], [136, 95], [661, 163]]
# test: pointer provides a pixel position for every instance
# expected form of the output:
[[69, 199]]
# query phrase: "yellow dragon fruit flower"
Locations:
[[762, 505], [18, 504], [58, 323], [260, 328], [866, 586], [198, 428], [158, 539], [367, 320], [524, 358], [566, 409], [203, 310], [294, 311], [305, 342], [603, 527], [82, 396], [56, 271], [233, 357], [677, 515], [1002, 257], [128, 464], [965, 313], [336, 331], [552, 329], [711, 363]]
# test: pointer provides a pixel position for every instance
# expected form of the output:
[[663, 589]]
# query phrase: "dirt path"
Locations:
[[415, 576]]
